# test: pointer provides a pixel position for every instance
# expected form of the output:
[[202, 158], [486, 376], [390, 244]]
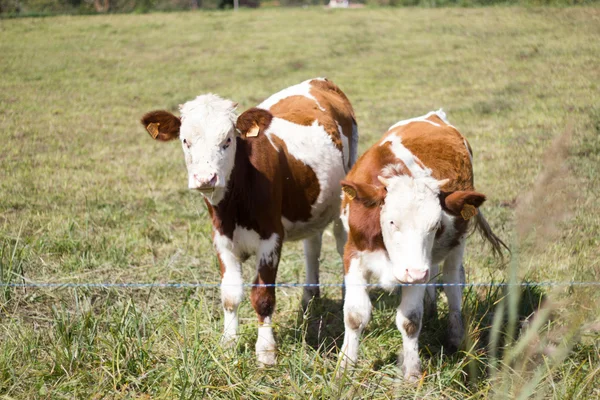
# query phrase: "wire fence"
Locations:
[[191, 285]]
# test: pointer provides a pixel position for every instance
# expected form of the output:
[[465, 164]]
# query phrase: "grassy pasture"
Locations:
[[87, 196]]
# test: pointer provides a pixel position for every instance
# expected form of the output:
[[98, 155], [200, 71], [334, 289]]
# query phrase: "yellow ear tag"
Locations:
[[253, 132], [350, 192], [152, 129], [468, 211]]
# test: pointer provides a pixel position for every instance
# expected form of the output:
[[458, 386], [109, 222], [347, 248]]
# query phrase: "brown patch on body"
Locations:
[[300, 185], [304, 111], [436, 119], [412, 325], [263, 297], [440, 148], [354, 320], [331, 108], [364, 213], [335, 102]]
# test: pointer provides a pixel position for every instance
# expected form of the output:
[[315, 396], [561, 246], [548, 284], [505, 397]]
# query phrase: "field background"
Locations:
[[87, 196]]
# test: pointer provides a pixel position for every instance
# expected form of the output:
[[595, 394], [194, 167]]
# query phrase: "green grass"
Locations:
[[87, 196]]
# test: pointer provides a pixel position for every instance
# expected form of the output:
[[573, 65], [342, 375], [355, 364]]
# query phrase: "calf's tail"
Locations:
[[482, 226]]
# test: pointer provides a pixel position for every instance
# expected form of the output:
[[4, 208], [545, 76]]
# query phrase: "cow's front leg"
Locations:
[[455, 273], [263, 298], [357, 312], [408, 320], [232, 290]]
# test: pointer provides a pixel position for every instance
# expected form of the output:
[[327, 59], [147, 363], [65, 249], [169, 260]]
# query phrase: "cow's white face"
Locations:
[[410, 216], [208, 139]]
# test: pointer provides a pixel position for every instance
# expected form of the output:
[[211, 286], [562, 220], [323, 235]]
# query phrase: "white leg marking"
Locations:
[[232, 293], [232, 290], [408, 320], [454, 273], [312, 251], [357, 312], [267, 253], [266, 350], [267, 258]]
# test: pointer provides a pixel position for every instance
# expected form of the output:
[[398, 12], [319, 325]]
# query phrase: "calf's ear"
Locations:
[[161, 125], [368, 195], [253, 122], [463, 203]]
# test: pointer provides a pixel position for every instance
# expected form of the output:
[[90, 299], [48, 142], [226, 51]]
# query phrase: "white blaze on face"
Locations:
[[410, 218], [208, 139]]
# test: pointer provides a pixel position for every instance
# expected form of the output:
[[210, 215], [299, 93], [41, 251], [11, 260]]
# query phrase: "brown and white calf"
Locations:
[[272, 174], [407, 205]]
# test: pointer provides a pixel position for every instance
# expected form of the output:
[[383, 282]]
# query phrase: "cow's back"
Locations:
[[318, 102], [436, 147], [314, 133]]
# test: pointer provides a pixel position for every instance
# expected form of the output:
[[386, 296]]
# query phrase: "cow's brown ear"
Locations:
[[253, 122], [463, 203], [161, 125], [368, 195]]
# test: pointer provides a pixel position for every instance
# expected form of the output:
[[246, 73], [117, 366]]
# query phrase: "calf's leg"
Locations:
[[340, 236], [263, 299], [408, 320], [357, 312], [455, 273], [232, 290], [430, 304], [312, 251], [340, 242]]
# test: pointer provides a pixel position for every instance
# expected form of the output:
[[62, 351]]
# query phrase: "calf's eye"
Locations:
[[227, 143]]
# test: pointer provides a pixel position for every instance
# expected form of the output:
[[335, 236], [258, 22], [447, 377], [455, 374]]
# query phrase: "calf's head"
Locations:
[[411, 212], [207, 133]]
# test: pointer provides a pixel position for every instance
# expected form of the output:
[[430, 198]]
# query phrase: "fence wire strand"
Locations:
[[191, 285]]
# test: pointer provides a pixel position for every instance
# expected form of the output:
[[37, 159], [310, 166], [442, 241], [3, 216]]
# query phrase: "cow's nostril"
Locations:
[[213, 180]]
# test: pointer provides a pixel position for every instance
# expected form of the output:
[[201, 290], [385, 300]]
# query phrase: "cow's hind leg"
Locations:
[[312, 251], [263, 299], [340, 236], [408, 320], [339, 231], [430, 303], [455, 273]]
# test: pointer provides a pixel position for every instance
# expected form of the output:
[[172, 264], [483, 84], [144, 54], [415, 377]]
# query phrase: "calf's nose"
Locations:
[[205, 181], [417, 275]]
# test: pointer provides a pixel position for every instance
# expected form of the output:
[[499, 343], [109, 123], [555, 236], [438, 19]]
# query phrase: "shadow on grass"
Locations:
[[321, 325]]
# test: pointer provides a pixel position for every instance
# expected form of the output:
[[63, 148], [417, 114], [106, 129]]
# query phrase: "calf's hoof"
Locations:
[[412, 371], [228, 341], [266, 358], [308, 295], [412, 377], [452, 345], [345, 365]]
